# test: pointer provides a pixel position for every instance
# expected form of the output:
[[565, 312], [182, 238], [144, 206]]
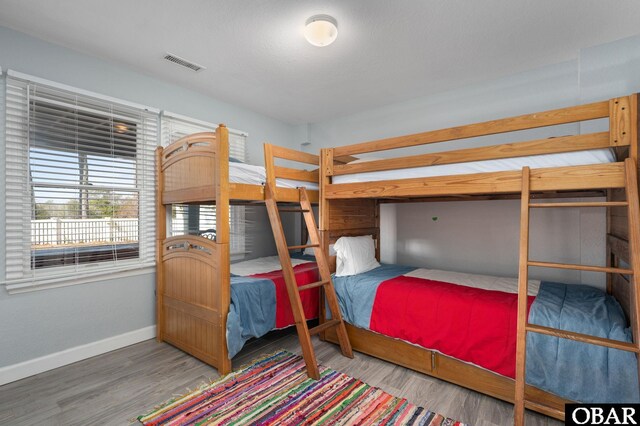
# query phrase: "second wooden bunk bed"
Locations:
[[352, 209], [193, 290]]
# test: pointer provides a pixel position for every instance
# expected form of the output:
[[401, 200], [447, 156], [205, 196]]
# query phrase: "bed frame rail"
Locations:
[[523, 122], [622, 136], [509, 150], [274, 172]]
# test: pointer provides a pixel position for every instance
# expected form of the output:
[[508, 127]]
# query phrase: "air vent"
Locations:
[[183, 62]]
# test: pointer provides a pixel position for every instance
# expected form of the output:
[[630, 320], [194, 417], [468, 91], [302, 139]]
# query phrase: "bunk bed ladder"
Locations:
[[304, 333], [524, 327]]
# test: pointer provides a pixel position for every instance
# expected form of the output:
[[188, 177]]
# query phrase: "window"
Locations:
[[79, 183], [201, 219]]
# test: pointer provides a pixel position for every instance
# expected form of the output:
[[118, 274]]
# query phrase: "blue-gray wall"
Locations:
[[47, 321]]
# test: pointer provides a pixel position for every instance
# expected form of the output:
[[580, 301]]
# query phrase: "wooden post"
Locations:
[[326, 164], [378, 235], [634, 119], [161, 235], [326, 171], [269, 165], [634, 248], [523, 279], [221, 178], [222, 191]]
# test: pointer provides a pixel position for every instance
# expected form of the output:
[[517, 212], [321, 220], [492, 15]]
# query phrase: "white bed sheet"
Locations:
[[594, 156], [257, 175], [485, 282], [261, 265]]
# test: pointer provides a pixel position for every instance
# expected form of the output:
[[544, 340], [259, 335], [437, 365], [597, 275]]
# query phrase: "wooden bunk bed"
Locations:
[[351, 208], [193, 272]]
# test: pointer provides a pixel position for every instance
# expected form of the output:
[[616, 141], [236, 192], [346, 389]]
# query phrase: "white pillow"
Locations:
[[355, 255]]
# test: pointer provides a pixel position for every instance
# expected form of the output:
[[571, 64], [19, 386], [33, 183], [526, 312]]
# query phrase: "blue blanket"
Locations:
[[575, 370], [252, 312], [570, 369], [356, 293]]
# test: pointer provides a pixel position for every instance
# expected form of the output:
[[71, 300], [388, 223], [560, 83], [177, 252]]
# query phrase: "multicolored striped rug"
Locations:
[[276, 390]]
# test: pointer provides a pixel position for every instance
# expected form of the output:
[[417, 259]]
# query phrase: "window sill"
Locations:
[[43, 283]]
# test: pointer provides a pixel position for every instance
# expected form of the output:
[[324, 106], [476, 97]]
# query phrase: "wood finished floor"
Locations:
[[114, 388]]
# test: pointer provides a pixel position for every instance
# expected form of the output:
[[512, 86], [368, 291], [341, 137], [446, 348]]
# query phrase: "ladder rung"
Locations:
[[312, 285], [580, 267], [289, 210], [545, 409], [303, 246], [580, 204], [324, 326], [580, 337]]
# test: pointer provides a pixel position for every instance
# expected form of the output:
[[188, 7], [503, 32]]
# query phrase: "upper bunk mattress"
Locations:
[[257, 175], [578, 158]]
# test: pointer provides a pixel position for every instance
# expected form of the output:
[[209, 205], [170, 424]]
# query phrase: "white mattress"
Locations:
[[261, 265], [485, 282], [257, 175], [594, 156]]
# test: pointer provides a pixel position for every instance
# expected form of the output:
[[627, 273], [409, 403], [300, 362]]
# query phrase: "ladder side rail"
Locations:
[[631, 188], [325, 274], [292, 287], [523, 280]]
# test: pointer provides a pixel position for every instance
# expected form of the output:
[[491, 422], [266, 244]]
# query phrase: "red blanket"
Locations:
[[306, 273], [470, 324]]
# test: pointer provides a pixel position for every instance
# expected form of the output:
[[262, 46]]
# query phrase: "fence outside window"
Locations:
[[55, 232]]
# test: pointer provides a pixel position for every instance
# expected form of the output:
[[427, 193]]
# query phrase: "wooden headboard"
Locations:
[[352, 218]]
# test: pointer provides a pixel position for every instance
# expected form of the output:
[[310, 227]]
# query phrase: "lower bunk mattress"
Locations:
[[473, 318], [259, 298]]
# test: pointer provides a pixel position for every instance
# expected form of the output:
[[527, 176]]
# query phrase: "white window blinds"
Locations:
[[201, 219], [79, 183]]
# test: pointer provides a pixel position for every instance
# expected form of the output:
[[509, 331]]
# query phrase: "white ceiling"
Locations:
[[387, 51]]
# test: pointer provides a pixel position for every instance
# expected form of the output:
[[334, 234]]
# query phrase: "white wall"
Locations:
[[610, 70], [48, 321], [480, 236], [548, 87]]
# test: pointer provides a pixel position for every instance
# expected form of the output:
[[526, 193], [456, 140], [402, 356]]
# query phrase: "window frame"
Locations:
[[50, 277]]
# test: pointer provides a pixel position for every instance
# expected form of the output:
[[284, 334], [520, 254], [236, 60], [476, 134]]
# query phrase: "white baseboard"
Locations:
[[14, 372]]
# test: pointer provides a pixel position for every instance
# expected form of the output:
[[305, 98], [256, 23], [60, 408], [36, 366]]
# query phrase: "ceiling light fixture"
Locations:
[[321, 30]]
